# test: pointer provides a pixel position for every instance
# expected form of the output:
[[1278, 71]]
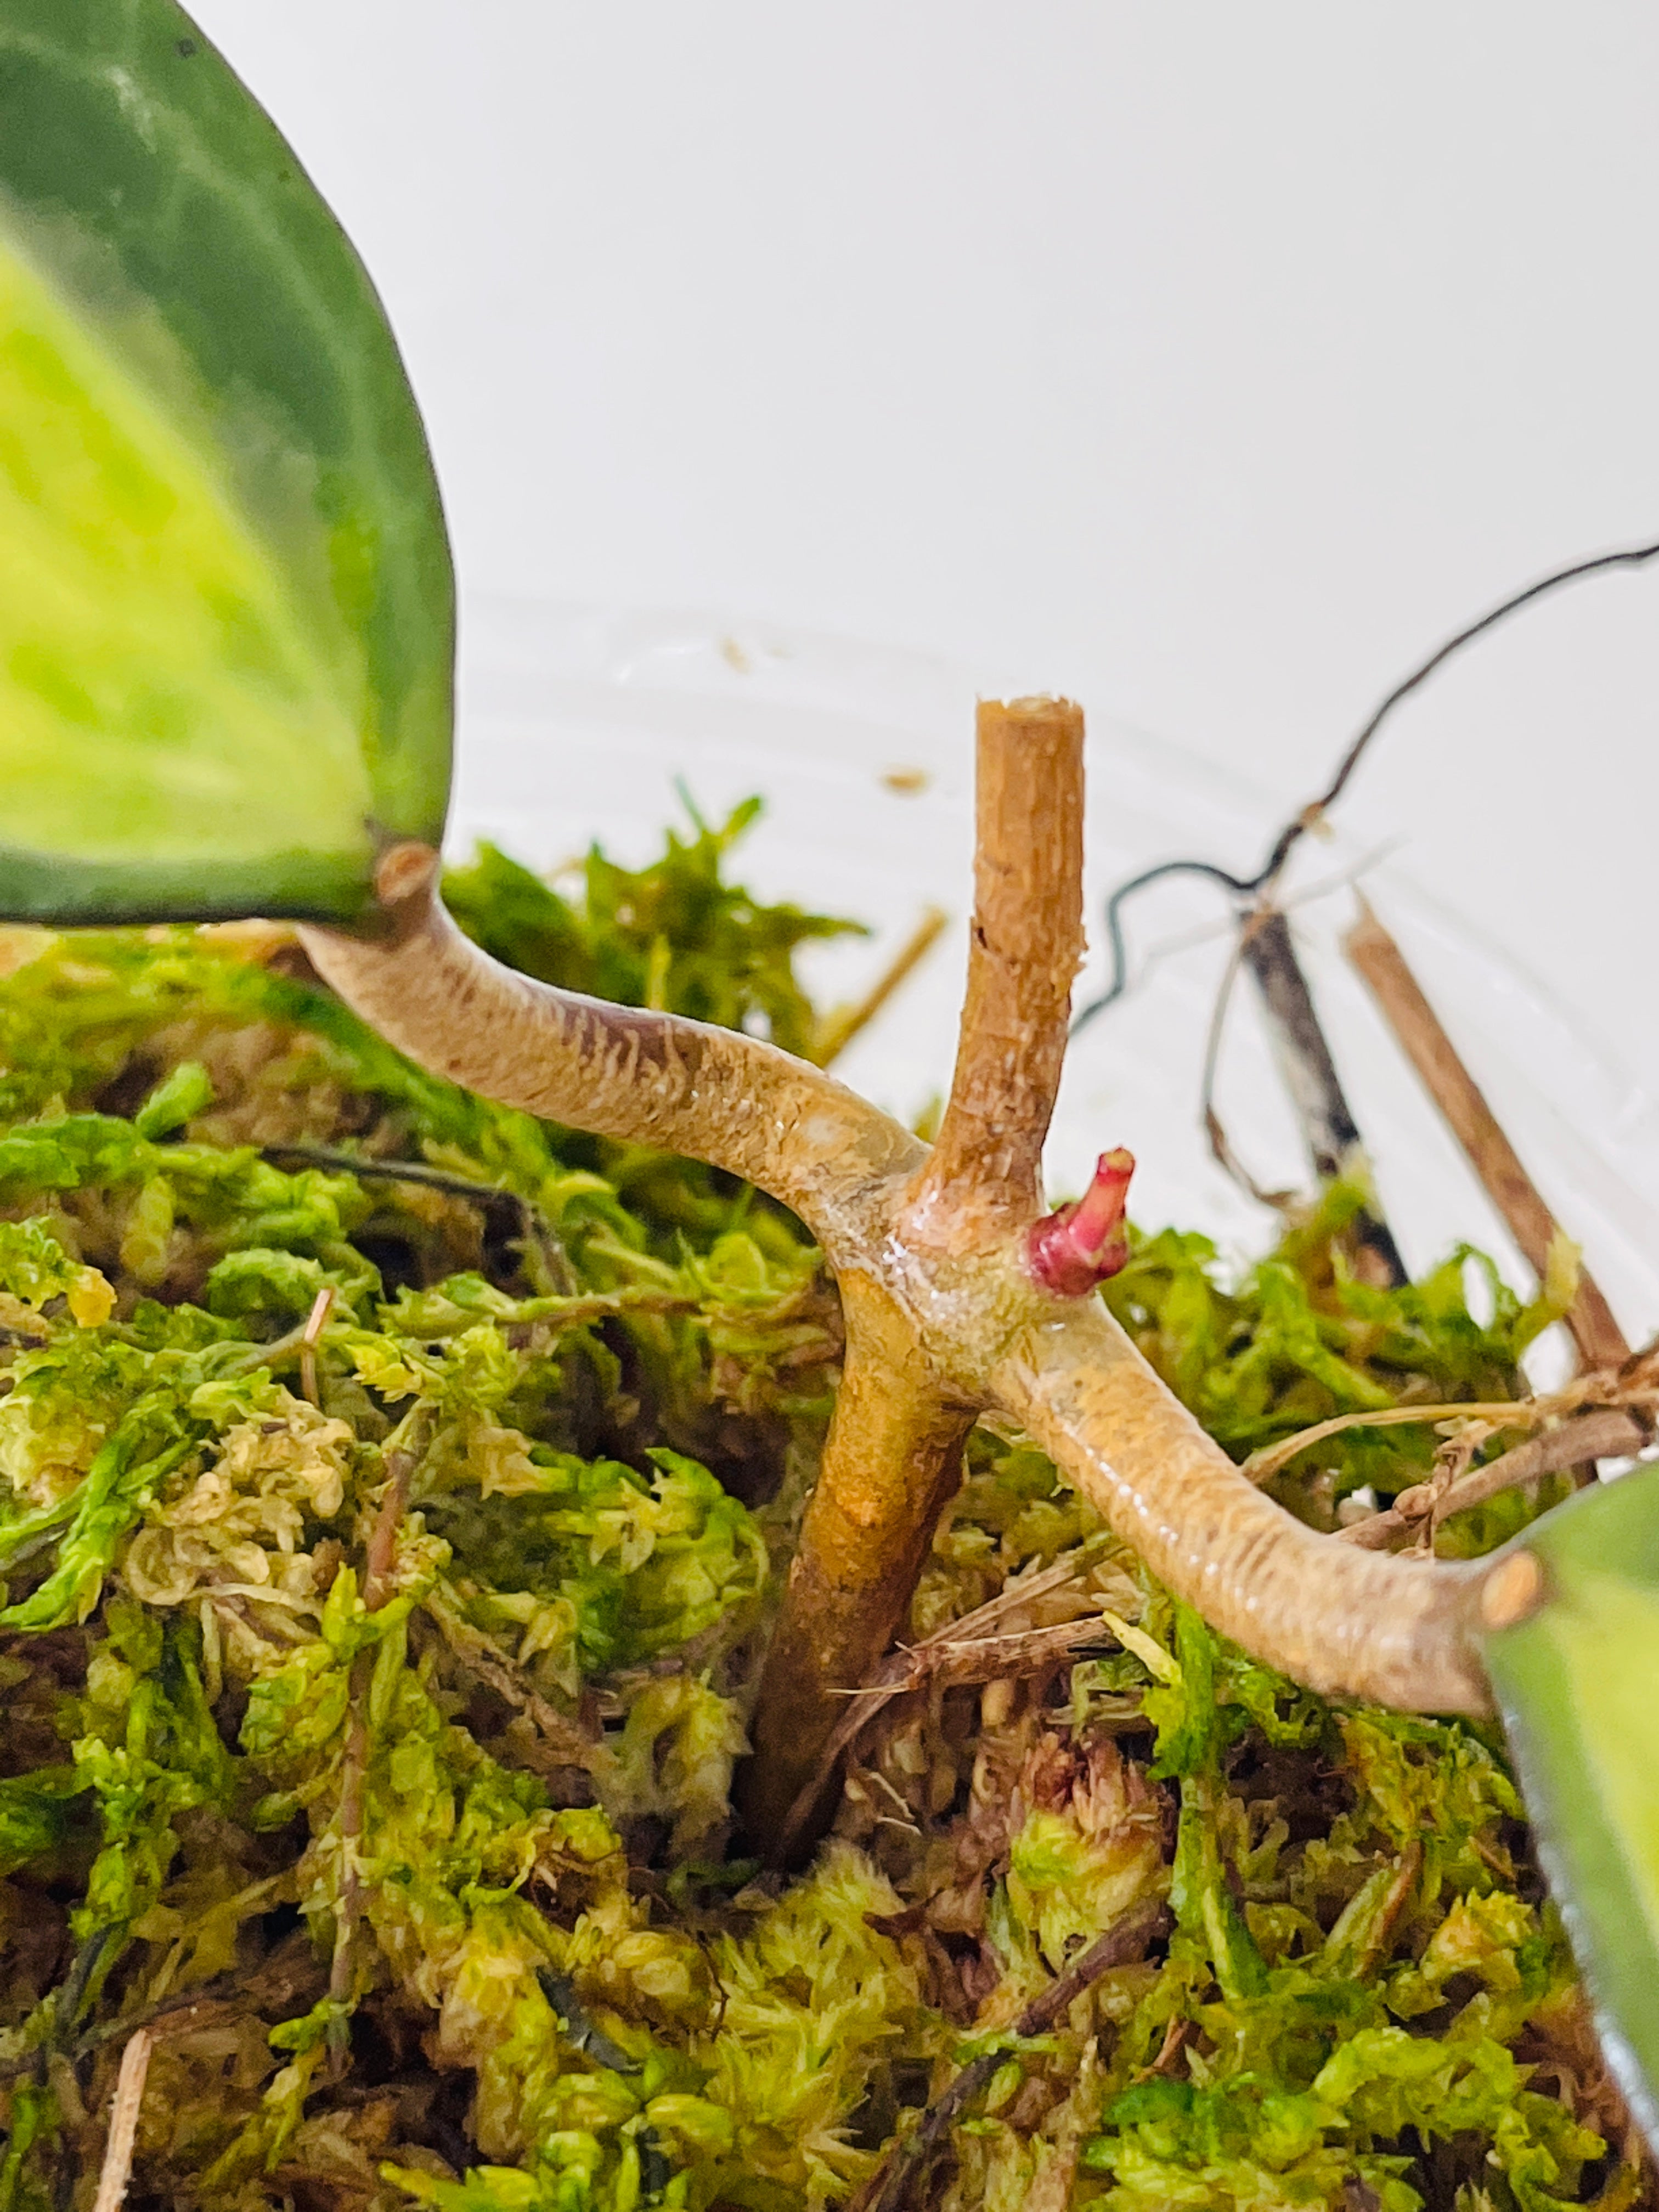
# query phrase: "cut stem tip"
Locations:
[[1072, 1251]]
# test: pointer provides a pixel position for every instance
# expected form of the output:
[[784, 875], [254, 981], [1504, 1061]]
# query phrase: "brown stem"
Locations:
[[986, 1170], [892, 1459], [1417, 1027], [1344, 1622], [967, 1650], [1609, 1434], [650, 1079]]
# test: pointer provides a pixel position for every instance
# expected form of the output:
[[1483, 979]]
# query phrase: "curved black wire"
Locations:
[[1120, 982], [1245, 888]]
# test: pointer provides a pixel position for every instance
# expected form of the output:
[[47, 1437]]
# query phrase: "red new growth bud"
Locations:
[[1070, 1251]]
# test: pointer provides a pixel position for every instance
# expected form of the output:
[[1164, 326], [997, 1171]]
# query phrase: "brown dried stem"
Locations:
[[1417, 1028], [117, 2169], [986, 1170], [1607, 1434], [1304, 1053]]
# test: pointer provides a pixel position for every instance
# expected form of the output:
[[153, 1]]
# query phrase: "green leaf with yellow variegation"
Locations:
[[1577, 1680], [226, 603]]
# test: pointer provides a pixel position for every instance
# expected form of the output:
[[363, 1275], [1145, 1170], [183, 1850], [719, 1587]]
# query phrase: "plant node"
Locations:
[[1076, 1248]]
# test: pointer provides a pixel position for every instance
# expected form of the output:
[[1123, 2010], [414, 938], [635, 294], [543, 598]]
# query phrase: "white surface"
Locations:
[[1210, 361]]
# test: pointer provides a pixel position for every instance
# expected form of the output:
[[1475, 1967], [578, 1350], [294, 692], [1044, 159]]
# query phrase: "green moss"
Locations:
[[613, 1385]]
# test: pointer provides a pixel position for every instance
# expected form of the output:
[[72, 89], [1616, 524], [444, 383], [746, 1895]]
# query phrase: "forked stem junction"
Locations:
[[961, 1297]]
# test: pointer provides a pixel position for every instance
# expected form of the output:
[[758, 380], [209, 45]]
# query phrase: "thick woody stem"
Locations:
[[892, 1461], [1346, 1622], [1399, 996], [648, 1079], [986, 1170]]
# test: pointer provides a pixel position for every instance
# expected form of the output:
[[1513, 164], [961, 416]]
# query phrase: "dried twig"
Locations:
[[965, 1650], [1309, 1074], [117, 2169], [1503, 1412], [1607, 1434], [1417, 1028], [321, 1306], [843, 1023], [902, 2180]]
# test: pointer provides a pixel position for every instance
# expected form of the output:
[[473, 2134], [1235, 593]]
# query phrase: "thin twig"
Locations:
[[321, 1306], [907, 2169], [117, 2169], [910, 1668], [1508, 1413], [1609, 1434], [1421, 1037], [400, 1463], [1221, 1150], [843, 1023]]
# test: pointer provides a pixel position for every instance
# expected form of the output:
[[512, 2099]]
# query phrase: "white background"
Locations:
[[1209, 361]]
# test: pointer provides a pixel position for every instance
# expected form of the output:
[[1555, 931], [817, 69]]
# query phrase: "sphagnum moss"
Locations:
[[562, 1992]]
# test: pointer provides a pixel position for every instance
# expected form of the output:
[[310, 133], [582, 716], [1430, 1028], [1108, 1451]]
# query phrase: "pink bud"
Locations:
[[1070, 1251]]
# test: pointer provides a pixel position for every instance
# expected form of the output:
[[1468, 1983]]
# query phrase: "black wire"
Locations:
[[1120, 982], [1249, 887]]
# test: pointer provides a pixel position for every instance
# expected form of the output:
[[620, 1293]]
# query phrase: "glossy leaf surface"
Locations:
[[1578, 1685], [225, 605]]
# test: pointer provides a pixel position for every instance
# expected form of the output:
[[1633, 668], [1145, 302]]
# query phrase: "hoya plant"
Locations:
[[226, 692]]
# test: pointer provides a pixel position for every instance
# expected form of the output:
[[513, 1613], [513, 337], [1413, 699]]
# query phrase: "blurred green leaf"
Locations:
[[1578, 1685], [226, 606]]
